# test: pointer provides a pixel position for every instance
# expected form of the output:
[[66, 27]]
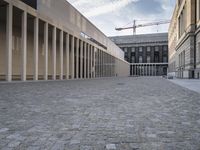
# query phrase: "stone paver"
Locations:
[[113, 113], [191, 84]]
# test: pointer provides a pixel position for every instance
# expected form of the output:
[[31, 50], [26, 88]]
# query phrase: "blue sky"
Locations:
[[108, 14]]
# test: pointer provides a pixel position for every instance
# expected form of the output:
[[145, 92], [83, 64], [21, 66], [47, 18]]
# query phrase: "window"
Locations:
[[140, 59], [133, 49], [32, 3], [199, 50], [125, 49], [148, 49], [133, 59], [148, 59], [165, 59], [182, 22], [198, 10], [140, 49], [156, 48], [164, 48]]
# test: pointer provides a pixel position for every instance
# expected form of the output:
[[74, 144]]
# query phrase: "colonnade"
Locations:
[[148, 69], [50, 52]]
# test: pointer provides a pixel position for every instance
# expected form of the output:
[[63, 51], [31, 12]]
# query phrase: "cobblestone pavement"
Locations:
[[113, 113]]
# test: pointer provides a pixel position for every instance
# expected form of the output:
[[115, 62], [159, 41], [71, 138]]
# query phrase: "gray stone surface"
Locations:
[[130, 113], [191, 84]]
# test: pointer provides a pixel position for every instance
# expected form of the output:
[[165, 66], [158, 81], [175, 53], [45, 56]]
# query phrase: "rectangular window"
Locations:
[[199, 50], [125, 49], [133, 59], [140, 49], [32, 3], [133, 49], [165, 48], [148, 49], [165, 59], [148, 59], [140, 59], [156, 48]]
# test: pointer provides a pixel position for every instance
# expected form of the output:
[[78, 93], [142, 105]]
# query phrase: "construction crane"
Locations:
[[134, 27]]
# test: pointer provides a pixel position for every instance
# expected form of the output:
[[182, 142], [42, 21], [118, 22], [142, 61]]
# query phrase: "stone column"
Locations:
[[146, 70], [85, 60], [91, 59], [46, 51], [61, 55], [54, 52], [67, 56], [36, 37], [81, 59], [9, 32], [94, 62], [72, 57], [77, 58], [88, 61], [24, 46]]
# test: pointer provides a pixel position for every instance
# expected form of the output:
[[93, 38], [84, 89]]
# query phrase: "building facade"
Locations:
[[147, 53], [184, 39], [49, 40]]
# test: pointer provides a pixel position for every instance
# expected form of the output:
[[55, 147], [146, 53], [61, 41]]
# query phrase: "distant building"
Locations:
[[147, 53], [184, 40], [51, 40]]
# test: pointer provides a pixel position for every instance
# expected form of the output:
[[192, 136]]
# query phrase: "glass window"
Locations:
[[140, 59], [148, 49], [156, 48], [125, 49], [165, 59], [140, 49], [148, 59], [165, 48], [133, 59], [133, 49]]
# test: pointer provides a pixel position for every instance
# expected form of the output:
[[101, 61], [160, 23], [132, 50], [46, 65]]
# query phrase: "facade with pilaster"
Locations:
[[184, 39], [51, 40], [146, 53]]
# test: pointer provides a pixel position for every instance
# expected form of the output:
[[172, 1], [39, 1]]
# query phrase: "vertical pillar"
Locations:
[[9, 22], [72, 57], [46, 51], [91, 59], [85, 60], [94, 62], [67, 55], [54, 52], [149, 69], [77, 58], [36, 34], [61, 54], [24, 46], [88, 61], [81, 59]]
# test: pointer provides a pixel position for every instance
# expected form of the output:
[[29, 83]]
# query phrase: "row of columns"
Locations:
[[86, 60], [104, 64], [145, 69]]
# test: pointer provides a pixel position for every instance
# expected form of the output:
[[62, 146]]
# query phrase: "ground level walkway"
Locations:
[[191, 84], [135, 113]]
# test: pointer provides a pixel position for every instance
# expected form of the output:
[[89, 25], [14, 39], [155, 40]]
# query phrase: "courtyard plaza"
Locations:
[[126, 113]]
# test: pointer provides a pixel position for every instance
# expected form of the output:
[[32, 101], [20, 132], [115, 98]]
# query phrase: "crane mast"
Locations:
[[134, 27]]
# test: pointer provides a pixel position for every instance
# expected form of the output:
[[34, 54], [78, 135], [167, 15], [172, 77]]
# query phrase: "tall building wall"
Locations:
[[185, 49], [53, 41]]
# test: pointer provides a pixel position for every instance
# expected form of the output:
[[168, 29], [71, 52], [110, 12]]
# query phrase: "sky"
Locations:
[[109, 14]]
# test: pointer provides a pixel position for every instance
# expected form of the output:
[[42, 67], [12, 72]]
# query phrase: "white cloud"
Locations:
[[109, 7]]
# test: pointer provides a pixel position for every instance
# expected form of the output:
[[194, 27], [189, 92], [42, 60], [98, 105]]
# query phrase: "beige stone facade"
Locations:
[[184, 38], [54, 41]]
